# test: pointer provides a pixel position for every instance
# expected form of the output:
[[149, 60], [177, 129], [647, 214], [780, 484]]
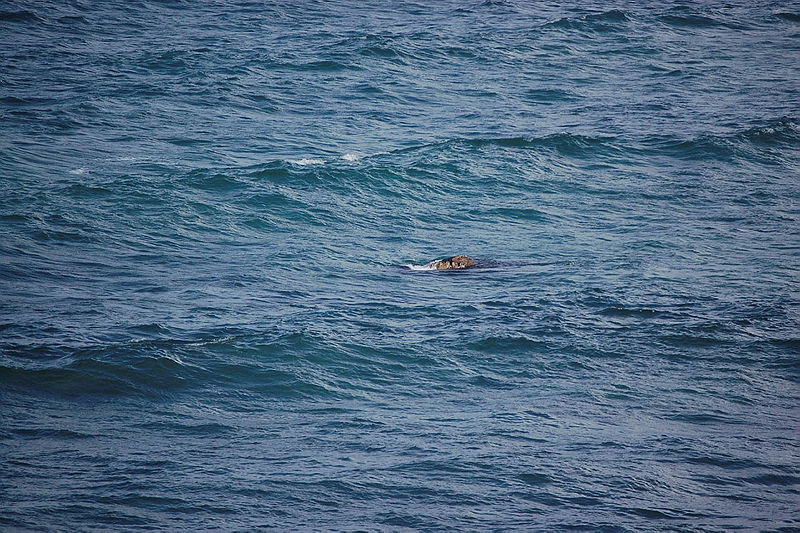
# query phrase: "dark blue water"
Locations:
[[207, 317]]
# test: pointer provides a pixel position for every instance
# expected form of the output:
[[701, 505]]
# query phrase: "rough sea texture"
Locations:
[[207, 317]]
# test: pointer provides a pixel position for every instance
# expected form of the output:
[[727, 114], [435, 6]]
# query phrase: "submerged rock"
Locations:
[[452, 263]]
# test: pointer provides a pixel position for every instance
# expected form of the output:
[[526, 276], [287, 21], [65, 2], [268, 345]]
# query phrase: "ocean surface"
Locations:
[[210, 218]]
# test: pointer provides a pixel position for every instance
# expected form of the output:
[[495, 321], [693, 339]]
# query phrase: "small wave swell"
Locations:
[[791, 17], [19, 16], [606, 21], [749, 143], [569, 144]]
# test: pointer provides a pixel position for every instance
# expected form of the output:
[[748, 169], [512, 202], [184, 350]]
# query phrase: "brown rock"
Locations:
[[452, 263]]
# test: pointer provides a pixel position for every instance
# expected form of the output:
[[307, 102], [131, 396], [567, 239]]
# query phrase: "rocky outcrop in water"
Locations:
[[455, 262]]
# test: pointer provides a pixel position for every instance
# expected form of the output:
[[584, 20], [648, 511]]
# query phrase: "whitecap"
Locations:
[[350, 156], [306, 161], [78, 171]]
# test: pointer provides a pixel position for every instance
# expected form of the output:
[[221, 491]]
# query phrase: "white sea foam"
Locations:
[[429, 266], [351, 157], [78, 171], [306, 161]]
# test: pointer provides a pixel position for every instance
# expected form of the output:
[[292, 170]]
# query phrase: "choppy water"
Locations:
[[205, 317]]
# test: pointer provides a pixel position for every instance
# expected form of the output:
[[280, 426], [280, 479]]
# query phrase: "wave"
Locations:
[[606, 21], [791, 17], [72, 19], [19, 16], [156, 376], [783, 133], [413, 172], [549, 96], [569, 143], [215, 182], [35, 433], [322, 66], [291, 364], [381, 51], [689, 20], [511, 213], [308, 161], [565, 143], [176, 428], [381, 47], [92, 377]]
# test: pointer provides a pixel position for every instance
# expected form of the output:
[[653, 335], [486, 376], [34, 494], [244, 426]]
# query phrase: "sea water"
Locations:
[[213, 218]]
